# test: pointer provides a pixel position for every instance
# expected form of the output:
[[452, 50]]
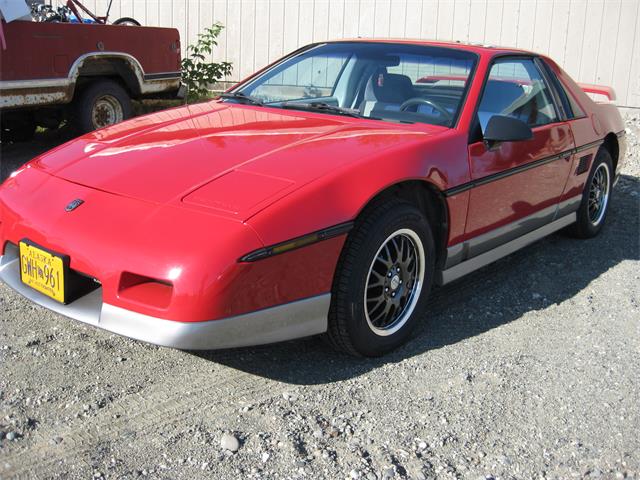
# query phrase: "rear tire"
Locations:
[[379, 293], [100, 104], [592, 213]]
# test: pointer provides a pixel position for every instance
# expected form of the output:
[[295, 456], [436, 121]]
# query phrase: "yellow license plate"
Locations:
[[42, 271]]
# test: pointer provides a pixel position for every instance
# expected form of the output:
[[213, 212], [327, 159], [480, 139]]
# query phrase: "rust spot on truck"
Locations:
[[35, 96]]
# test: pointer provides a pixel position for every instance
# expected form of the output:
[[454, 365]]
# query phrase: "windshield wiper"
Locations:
[[321, 107], [241, 97]]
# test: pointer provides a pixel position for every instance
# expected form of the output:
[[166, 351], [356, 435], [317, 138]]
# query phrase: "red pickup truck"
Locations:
[[83, 73]]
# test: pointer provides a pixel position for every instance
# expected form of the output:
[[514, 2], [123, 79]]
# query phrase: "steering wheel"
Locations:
[[425, 101]]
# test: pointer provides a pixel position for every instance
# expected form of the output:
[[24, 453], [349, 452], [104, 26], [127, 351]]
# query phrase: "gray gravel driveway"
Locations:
[[529, 368]]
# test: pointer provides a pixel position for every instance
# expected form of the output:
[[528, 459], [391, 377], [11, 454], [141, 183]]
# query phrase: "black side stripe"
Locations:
[[519, 169], [297, 242], [162, 76], [587, 146], [342, 228]]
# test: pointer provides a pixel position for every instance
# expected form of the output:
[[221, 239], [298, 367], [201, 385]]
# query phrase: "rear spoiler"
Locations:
[[598, 90]]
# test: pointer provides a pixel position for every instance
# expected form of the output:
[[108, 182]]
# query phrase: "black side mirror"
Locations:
[[506, 129]]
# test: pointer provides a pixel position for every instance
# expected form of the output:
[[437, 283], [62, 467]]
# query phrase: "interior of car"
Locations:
[[381, 81]]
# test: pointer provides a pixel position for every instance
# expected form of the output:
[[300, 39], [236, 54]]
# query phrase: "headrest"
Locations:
[[389, 87]]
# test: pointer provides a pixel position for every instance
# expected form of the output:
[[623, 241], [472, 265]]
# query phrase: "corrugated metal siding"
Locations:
[[596, 41]]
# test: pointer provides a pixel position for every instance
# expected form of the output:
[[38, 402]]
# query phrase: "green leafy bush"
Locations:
[[197, 73]]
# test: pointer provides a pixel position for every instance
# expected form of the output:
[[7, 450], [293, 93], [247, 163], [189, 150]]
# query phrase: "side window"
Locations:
[[515, 88]]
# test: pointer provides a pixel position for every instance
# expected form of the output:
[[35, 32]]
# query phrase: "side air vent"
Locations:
[[583, 164], [145, 290]]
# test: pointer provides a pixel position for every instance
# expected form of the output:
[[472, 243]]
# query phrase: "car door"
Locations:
[[517, 185]]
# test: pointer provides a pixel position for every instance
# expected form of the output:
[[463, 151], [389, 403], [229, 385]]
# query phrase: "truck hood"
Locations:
[[233, 159]]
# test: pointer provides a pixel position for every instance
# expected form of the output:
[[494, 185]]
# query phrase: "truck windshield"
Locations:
[[385, 81]]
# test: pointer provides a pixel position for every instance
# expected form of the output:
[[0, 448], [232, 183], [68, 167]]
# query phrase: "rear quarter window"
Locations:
[[569, 103]]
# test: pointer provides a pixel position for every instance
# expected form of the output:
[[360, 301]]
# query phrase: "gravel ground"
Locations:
[[528, 368]]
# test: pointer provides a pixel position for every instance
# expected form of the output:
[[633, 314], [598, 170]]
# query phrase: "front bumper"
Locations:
[[292, 320]]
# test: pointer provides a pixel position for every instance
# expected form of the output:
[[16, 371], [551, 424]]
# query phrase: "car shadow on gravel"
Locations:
[[549, 272], [14, 155]]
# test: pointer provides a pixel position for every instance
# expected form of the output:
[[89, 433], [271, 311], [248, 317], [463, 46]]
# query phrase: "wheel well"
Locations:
[[429, 200], [611, 144], [114, 68]]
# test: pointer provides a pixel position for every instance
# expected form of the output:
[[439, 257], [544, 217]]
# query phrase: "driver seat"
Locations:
[[386, 91]]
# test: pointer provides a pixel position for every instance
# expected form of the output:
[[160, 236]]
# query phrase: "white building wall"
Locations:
[[596, 41]]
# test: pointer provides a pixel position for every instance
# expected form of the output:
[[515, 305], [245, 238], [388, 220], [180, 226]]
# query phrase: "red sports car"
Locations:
[[327, 193]]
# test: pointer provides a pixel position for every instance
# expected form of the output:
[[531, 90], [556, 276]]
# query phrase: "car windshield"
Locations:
[[384, 81]]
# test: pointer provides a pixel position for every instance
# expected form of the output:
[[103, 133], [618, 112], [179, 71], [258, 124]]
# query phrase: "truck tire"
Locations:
[[17, 127], [100, 104], [132, 22]]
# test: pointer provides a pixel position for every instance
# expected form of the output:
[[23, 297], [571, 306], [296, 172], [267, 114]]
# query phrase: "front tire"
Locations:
[[382, 281], [592, 213]]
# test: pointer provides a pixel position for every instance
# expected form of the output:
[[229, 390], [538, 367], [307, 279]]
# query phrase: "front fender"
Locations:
[[340, 195]]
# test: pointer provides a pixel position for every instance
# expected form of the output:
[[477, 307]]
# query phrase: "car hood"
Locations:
[[233, 159]]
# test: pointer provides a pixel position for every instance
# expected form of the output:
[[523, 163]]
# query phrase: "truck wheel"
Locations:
[[101, 104], [127, 21], [17, 128]]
